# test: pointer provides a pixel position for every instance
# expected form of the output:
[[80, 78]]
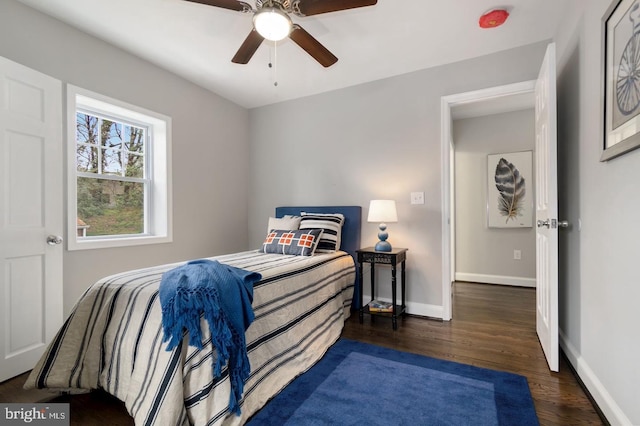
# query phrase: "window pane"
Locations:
[[134, 139], [87, 158], [111, 134], [112, 162], [134, 165], [110, 207], [86, 128]]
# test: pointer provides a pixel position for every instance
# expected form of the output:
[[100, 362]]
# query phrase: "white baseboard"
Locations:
[[424, 310], [606, 403], [496, 279], [420, 309]]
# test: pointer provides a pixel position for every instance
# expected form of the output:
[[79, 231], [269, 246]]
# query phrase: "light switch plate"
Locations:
[[417, 198]]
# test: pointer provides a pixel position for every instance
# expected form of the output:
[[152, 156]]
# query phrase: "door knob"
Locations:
[[544, 223], [52, 240], [553, 223]]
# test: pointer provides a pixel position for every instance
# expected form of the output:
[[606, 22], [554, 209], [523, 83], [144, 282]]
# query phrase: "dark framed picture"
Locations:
[[621, 82]]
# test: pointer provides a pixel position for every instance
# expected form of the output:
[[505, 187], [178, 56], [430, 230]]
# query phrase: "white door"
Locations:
[[30, 210], [547, 209]]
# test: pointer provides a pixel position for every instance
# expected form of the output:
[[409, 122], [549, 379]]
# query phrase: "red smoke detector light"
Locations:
[[493, 18]]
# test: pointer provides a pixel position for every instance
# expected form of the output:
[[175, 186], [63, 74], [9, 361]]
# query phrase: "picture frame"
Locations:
[[621, 87], [510, 190]]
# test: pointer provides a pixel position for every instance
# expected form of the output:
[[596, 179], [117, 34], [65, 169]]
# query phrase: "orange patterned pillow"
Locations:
[[296, 242]]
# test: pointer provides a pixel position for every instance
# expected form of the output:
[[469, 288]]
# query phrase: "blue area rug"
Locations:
[[360, 384]]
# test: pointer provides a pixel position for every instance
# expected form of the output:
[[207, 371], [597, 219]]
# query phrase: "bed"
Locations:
[[113, 338]]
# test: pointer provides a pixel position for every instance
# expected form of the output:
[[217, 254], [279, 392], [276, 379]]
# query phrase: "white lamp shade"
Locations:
[[272, 23], [382, 211]]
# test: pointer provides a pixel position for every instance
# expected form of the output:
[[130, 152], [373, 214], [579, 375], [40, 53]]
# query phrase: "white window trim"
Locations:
[[160, 211]]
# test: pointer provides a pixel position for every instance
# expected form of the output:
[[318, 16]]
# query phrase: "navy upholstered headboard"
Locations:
[[351, 229]]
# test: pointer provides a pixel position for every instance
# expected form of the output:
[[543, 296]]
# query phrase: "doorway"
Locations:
[[490, 101], [495, 241], [546, 189]]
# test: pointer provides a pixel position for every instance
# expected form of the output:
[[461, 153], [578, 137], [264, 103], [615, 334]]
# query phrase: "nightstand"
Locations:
[[394, 257]]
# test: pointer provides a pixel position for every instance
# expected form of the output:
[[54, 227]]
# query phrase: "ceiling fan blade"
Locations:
[[315, 7], [248, 48], [240, 6], [312, 46]]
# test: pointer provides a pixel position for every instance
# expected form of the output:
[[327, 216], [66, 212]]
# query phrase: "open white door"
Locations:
[[30, 211], [547, 209]]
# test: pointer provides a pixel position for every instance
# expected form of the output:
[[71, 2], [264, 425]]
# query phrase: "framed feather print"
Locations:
[[510, 190]]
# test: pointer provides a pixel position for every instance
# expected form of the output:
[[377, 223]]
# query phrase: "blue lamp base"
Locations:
[[383, 244]]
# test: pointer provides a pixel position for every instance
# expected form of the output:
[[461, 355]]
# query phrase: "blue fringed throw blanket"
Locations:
[[223, 295]]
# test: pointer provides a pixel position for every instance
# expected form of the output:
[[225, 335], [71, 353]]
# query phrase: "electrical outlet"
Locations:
[[517, 255], [417, 198]]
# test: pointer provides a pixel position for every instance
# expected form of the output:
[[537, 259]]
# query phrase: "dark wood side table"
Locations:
[[394, 257]]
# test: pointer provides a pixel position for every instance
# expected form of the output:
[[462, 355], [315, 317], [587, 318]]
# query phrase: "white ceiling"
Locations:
[[393, 37]]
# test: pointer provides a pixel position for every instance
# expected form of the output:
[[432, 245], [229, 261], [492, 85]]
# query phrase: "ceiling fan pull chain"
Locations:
[[275, 64]]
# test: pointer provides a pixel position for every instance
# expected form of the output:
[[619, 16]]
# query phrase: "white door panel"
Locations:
[[547, 209], [30, 210]]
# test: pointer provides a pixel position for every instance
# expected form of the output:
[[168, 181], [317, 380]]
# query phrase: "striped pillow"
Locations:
[[331, 224]]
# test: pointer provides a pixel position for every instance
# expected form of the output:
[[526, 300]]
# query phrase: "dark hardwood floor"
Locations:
[[492, 327]]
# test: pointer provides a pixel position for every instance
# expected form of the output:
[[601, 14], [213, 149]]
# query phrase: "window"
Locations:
[[118, 180]]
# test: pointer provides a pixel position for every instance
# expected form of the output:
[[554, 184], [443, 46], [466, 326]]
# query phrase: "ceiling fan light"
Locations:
[[272, 23]]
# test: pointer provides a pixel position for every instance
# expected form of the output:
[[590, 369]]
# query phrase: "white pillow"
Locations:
[[287, 222]]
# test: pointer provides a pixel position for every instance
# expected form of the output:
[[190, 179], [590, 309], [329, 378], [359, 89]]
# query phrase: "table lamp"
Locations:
[[382, 211]]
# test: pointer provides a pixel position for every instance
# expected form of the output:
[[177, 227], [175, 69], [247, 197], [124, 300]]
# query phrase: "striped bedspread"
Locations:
[[113, 340]]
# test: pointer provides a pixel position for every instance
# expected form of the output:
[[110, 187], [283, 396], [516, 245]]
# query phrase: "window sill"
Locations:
[[100, 243]]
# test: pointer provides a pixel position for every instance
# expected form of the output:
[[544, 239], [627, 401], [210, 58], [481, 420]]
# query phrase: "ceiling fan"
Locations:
[[271, 21]]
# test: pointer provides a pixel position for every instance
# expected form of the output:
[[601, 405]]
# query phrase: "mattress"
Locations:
[[113, 340]]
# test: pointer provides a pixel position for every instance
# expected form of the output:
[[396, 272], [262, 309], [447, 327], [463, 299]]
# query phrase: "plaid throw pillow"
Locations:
[[294, 242]]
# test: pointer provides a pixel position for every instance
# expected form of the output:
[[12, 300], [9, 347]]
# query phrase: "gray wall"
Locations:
[[210, 142], [599, 285], [485, 254], [376, 140]]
